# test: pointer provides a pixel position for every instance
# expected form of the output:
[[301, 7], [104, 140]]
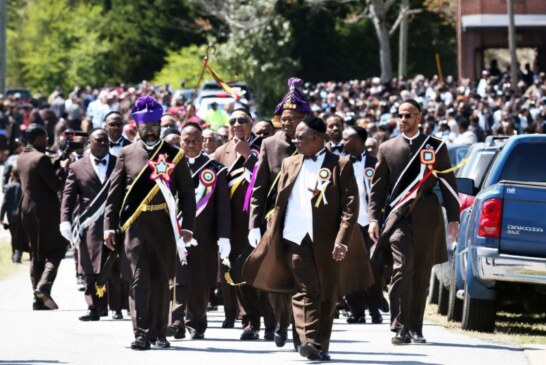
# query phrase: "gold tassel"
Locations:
[[100, 290]]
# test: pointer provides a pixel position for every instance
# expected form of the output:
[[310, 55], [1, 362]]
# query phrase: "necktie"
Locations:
[[355, 158], [115, 144], [100, 162], [314, 158]]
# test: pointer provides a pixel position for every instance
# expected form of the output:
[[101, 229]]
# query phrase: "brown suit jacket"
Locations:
[[426, 217], [273, 152], [130, 162], [40, 206], [81, 187], [213, 223], [227, 156], [267, 266]]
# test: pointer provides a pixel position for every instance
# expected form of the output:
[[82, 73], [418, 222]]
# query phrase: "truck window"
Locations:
[[526, 163]]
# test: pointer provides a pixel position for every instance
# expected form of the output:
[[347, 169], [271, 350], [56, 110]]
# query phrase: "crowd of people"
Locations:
[[286, 218]]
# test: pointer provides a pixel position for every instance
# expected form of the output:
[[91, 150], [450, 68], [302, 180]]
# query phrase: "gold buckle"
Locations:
[[154, 207]]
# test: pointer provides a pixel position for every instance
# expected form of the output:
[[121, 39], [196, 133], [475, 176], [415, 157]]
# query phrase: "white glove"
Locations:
[[224, 247], [66, 230], [192, 242], [254, 237]]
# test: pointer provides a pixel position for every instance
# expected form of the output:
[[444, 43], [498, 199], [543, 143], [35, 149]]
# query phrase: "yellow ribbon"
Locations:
[[451, 169]]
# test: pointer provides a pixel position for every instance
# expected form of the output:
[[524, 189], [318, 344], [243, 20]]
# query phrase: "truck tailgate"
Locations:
[[524, 219]]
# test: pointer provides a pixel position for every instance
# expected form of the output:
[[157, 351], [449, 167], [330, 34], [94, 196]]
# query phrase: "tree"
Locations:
[[447, 9]]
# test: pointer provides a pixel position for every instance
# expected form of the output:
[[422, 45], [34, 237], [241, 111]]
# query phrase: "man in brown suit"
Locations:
[[150, 243], [40, 209], [291, 111], [231, 155], [86, 179], [414, 237], [212, 232], [305, 249]]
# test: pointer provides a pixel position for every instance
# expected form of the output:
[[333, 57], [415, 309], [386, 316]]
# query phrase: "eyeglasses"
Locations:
[[240, 120], [301, 137], [406, 115], [146, 128]]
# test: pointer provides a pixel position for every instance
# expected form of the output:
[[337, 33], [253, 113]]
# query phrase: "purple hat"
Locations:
[[294, 99], [147, 110]]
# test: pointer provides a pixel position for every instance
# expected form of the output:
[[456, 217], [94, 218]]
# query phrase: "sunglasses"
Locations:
[[302, 137], [240, 120], [406, 115]]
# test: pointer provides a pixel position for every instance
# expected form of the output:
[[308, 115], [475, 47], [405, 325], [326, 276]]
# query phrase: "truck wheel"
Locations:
[[478, 314], [433, 288], [443, 299], [455, 305]]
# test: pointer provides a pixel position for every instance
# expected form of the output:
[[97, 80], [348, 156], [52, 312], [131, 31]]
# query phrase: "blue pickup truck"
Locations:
[[501, 250]]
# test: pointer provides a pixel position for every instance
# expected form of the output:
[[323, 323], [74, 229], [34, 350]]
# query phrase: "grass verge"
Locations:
[[7, 268], [510, 328]]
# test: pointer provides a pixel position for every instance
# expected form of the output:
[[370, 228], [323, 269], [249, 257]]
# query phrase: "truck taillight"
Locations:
[[490, 219]]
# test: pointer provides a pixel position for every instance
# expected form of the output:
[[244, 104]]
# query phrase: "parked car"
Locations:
[[23, 94], [501, 250], [211, 89], [479, 157]]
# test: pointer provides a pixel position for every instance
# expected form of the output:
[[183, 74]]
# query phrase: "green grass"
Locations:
[[510, 328], [7, 268]]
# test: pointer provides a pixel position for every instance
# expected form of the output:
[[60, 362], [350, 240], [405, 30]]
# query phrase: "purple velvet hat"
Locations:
[[147, 110], [294, 99]]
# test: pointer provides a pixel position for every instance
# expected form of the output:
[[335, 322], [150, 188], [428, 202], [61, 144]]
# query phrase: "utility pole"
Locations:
[[403, 40], [512, 45], [3, 26]]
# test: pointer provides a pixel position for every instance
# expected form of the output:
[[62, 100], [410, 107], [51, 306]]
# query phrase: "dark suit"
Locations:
[[150, 247], [40, 216], [251, 299], [274, 151], [212, 223], [308, 269], [10, 206], [81, 187], [417, 241]]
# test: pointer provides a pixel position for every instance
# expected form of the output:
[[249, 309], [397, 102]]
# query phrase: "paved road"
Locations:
[[57, 337]]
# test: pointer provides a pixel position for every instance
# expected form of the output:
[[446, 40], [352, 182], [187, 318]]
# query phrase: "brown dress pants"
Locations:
[[313, 310]]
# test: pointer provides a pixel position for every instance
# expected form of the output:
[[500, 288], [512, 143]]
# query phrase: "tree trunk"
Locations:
[[378, 16], [403, 40]]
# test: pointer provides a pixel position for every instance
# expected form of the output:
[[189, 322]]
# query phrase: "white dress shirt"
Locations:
[[363, 190], [100, 169], [336, 152], [115, 150], [298, 221]]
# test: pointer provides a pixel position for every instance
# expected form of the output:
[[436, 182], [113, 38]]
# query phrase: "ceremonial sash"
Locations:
[[205, 179], [237, 172], [93, 212], [144, 188]]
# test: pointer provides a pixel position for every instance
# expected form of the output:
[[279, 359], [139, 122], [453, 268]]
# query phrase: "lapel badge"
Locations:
[[368, 173], [324, 174], [428, 157], [207, 177], [161, 168]]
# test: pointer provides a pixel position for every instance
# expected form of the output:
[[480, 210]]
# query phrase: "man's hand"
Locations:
[[110, 240], [186, 236], [373, 231], [340, 251], [242, 147], [224, 247], [66, 230], [254, 237], [453, 231]]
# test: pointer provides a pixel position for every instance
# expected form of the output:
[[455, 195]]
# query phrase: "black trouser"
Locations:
[[44, 271]]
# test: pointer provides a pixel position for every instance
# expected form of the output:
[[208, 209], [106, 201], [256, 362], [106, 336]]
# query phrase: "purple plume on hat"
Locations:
[[294, 98], [147, 110]]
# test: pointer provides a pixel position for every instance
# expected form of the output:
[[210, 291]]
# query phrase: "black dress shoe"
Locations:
[[104, 313], [354, 319], [39, 306], [141, 343], [197, 336], [92, 315], [269, 334], [377, 318], [16, 257], [162, 343], [46, 299], [402, 337], [249, 334], [281, 335], [117, 315], [310, 351], [324, 356], [384, 305], [228, 323], [417, 337], [178, 332]]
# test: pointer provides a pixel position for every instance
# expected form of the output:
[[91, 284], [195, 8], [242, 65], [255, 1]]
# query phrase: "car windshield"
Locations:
[[526, 163], [477, 166]]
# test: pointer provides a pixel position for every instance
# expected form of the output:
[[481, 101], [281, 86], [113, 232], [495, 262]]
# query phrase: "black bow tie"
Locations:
[[100, 162], [355, 158], [337, 148], [115, 144], [314, 158]]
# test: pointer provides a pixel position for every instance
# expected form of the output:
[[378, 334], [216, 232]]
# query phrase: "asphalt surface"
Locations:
[[58, 337]]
